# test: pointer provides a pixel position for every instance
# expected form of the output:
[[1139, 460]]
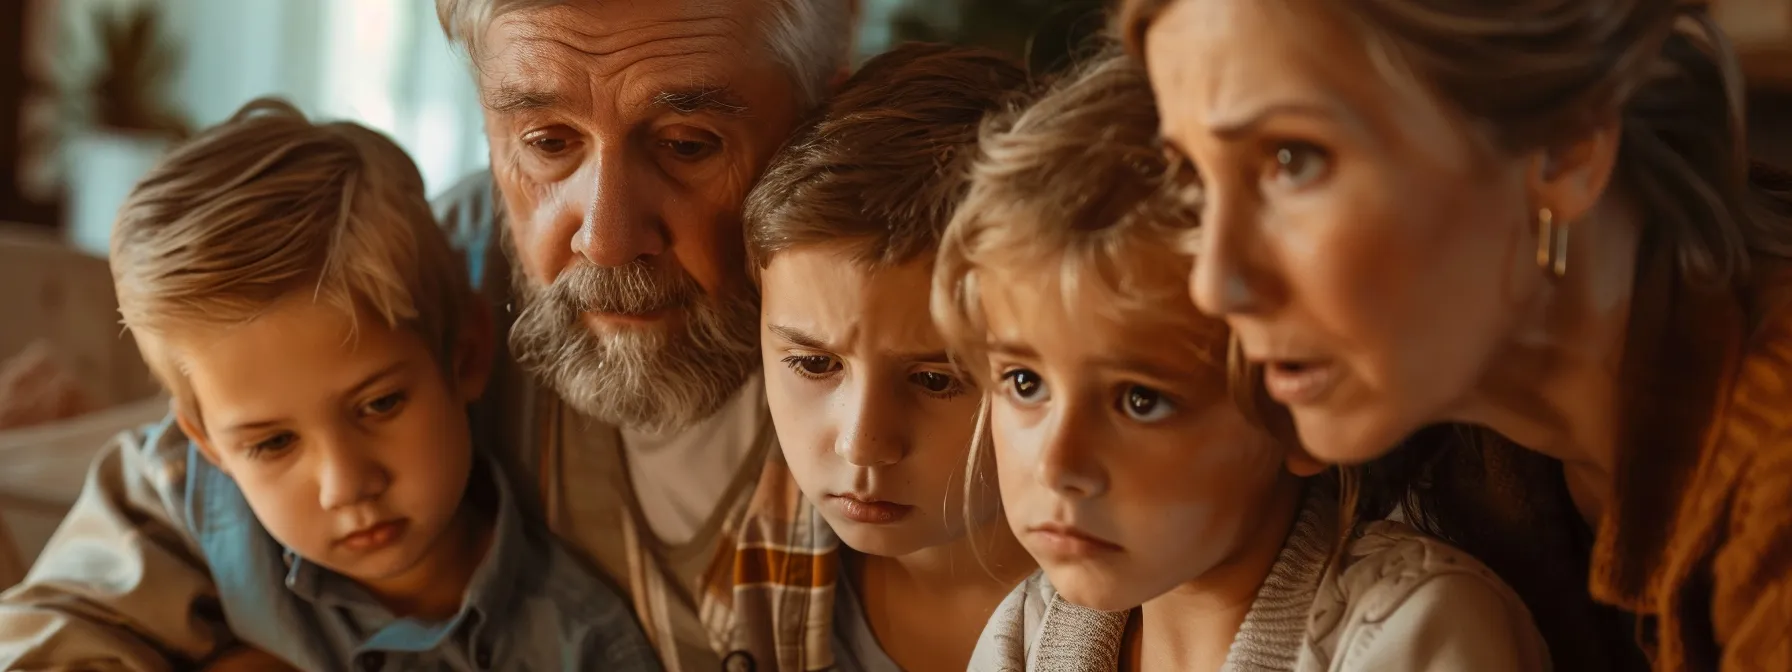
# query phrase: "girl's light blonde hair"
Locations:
[[268, 205], [1073, 180]]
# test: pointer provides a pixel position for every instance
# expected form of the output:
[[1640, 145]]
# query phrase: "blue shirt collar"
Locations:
[[516, 549]]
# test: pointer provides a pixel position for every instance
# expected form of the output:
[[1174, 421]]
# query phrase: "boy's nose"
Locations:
[[346, 477]]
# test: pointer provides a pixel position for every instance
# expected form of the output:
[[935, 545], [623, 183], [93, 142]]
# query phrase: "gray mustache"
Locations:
[[634, 289]]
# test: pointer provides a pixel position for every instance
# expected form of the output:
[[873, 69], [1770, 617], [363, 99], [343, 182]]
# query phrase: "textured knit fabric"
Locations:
[[1698, 536], [1399, 601]]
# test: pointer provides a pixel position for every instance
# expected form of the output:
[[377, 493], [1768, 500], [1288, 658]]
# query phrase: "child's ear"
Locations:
[[197, 436], [474, 351], [1303, 465]]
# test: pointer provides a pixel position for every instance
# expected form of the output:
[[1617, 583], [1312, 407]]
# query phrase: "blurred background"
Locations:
[[92, 91]]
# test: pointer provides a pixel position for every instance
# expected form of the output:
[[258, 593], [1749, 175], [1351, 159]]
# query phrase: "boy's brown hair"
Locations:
[[880, 168], [269, 205]]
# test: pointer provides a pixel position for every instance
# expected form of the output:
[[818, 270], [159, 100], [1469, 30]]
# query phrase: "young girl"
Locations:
[[1172, 533], [874, 419]]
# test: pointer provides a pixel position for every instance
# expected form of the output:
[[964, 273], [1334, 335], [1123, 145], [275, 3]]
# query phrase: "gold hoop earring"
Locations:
[[1552, 244]]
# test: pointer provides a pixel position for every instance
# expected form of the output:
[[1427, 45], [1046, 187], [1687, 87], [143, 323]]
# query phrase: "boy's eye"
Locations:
[[1026, 386], [1145, 404], [937, 384], [812, 366], [273, 444], [383, 405]]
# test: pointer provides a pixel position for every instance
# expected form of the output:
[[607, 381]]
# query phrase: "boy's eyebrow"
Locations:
[[251, 425], [376, 377], [799, 337], [929, 357]]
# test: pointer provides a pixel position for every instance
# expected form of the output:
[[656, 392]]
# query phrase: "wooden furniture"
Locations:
[[61, 296]]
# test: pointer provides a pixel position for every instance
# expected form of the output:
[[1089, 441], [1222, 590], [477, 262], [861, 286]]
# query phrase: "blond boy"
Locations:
[[287, 283]]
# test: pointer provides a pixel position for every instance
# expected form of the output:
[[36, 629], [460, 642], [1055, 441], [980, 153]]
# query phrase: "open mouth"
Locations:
[[1296, 382]]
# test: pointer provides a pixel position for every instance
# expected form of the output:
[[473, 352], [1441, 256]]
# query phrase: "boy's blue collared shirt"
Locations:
[[529, 606]]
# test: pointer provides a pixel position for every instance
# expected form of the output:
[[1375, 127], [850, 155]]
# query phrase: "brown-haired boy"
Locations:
[[874, 419]]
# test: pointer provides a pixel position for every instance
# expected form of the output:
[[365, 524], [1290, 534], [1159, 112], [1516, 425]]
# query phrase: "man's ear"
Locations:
[[1571, 177], [473, 352], [197, 436]]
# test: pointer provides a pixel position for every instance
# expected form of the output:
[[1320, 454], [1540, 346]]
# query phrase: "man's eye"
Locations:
[[689, 150], [548, 144]]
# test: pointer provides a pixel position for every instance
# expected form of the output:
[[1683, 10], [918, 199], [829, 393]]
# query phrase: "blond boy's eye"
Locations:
[[384, 405]]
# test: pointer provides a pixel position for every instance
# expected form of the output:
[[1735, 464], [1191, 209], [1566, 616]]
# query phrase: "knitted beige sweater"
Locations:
[[1398, 601]]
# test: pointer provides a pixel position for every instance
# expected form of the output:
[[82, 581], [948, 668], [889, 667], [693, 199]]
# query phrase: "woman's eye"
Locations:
[[273, 444], [1300, 163], [937, 384], [384, 405], [812, 366], [1145, 404], [1025, 385]]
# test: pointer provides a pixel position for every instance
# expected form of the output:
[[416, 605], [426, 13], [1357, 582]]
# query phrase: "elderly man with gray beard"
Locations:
[[624, 137]]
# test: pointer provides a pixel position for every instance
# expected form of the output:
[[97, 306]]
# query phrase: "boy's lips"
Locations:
[[376, 536]]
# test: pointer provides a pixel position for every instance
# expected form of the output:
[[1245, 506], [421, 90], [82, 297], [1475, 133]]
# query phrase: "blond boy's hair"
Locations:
[[1073, 182], [270, 205]]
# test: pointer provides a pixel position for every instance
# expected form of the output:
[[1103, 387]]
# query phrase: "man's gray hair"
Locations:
[[811, 38]]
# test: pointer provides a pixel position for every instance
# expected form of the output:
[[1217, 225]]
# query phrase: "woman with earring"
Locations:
[[1535, 218]]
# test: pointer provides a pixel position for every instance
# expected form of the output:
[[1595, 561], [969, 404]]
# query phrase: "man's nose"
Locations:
[[621, 221]]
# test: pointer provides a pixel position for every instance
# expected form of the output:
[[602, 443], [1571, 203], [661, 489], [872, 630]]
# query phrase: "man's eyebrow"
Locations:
[[719, 100], [505, 98]]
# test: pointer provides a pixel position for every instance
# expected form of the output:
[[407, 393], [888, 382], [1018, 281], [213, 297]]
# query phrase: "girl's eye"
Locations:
[[385, 405], [269, 446], [812, 366], [1298, 164], [1145, 404], [936, 384], [1026, 386]]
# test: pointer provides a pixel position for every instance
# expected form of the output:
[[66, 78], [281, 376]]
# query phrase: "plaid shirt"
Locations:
[[767, 590]]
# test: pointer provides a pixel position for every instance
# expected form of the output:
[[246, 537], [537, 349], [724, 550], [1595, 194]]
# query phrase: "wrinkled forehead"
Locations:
[[576, 52], [1221, 66]]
